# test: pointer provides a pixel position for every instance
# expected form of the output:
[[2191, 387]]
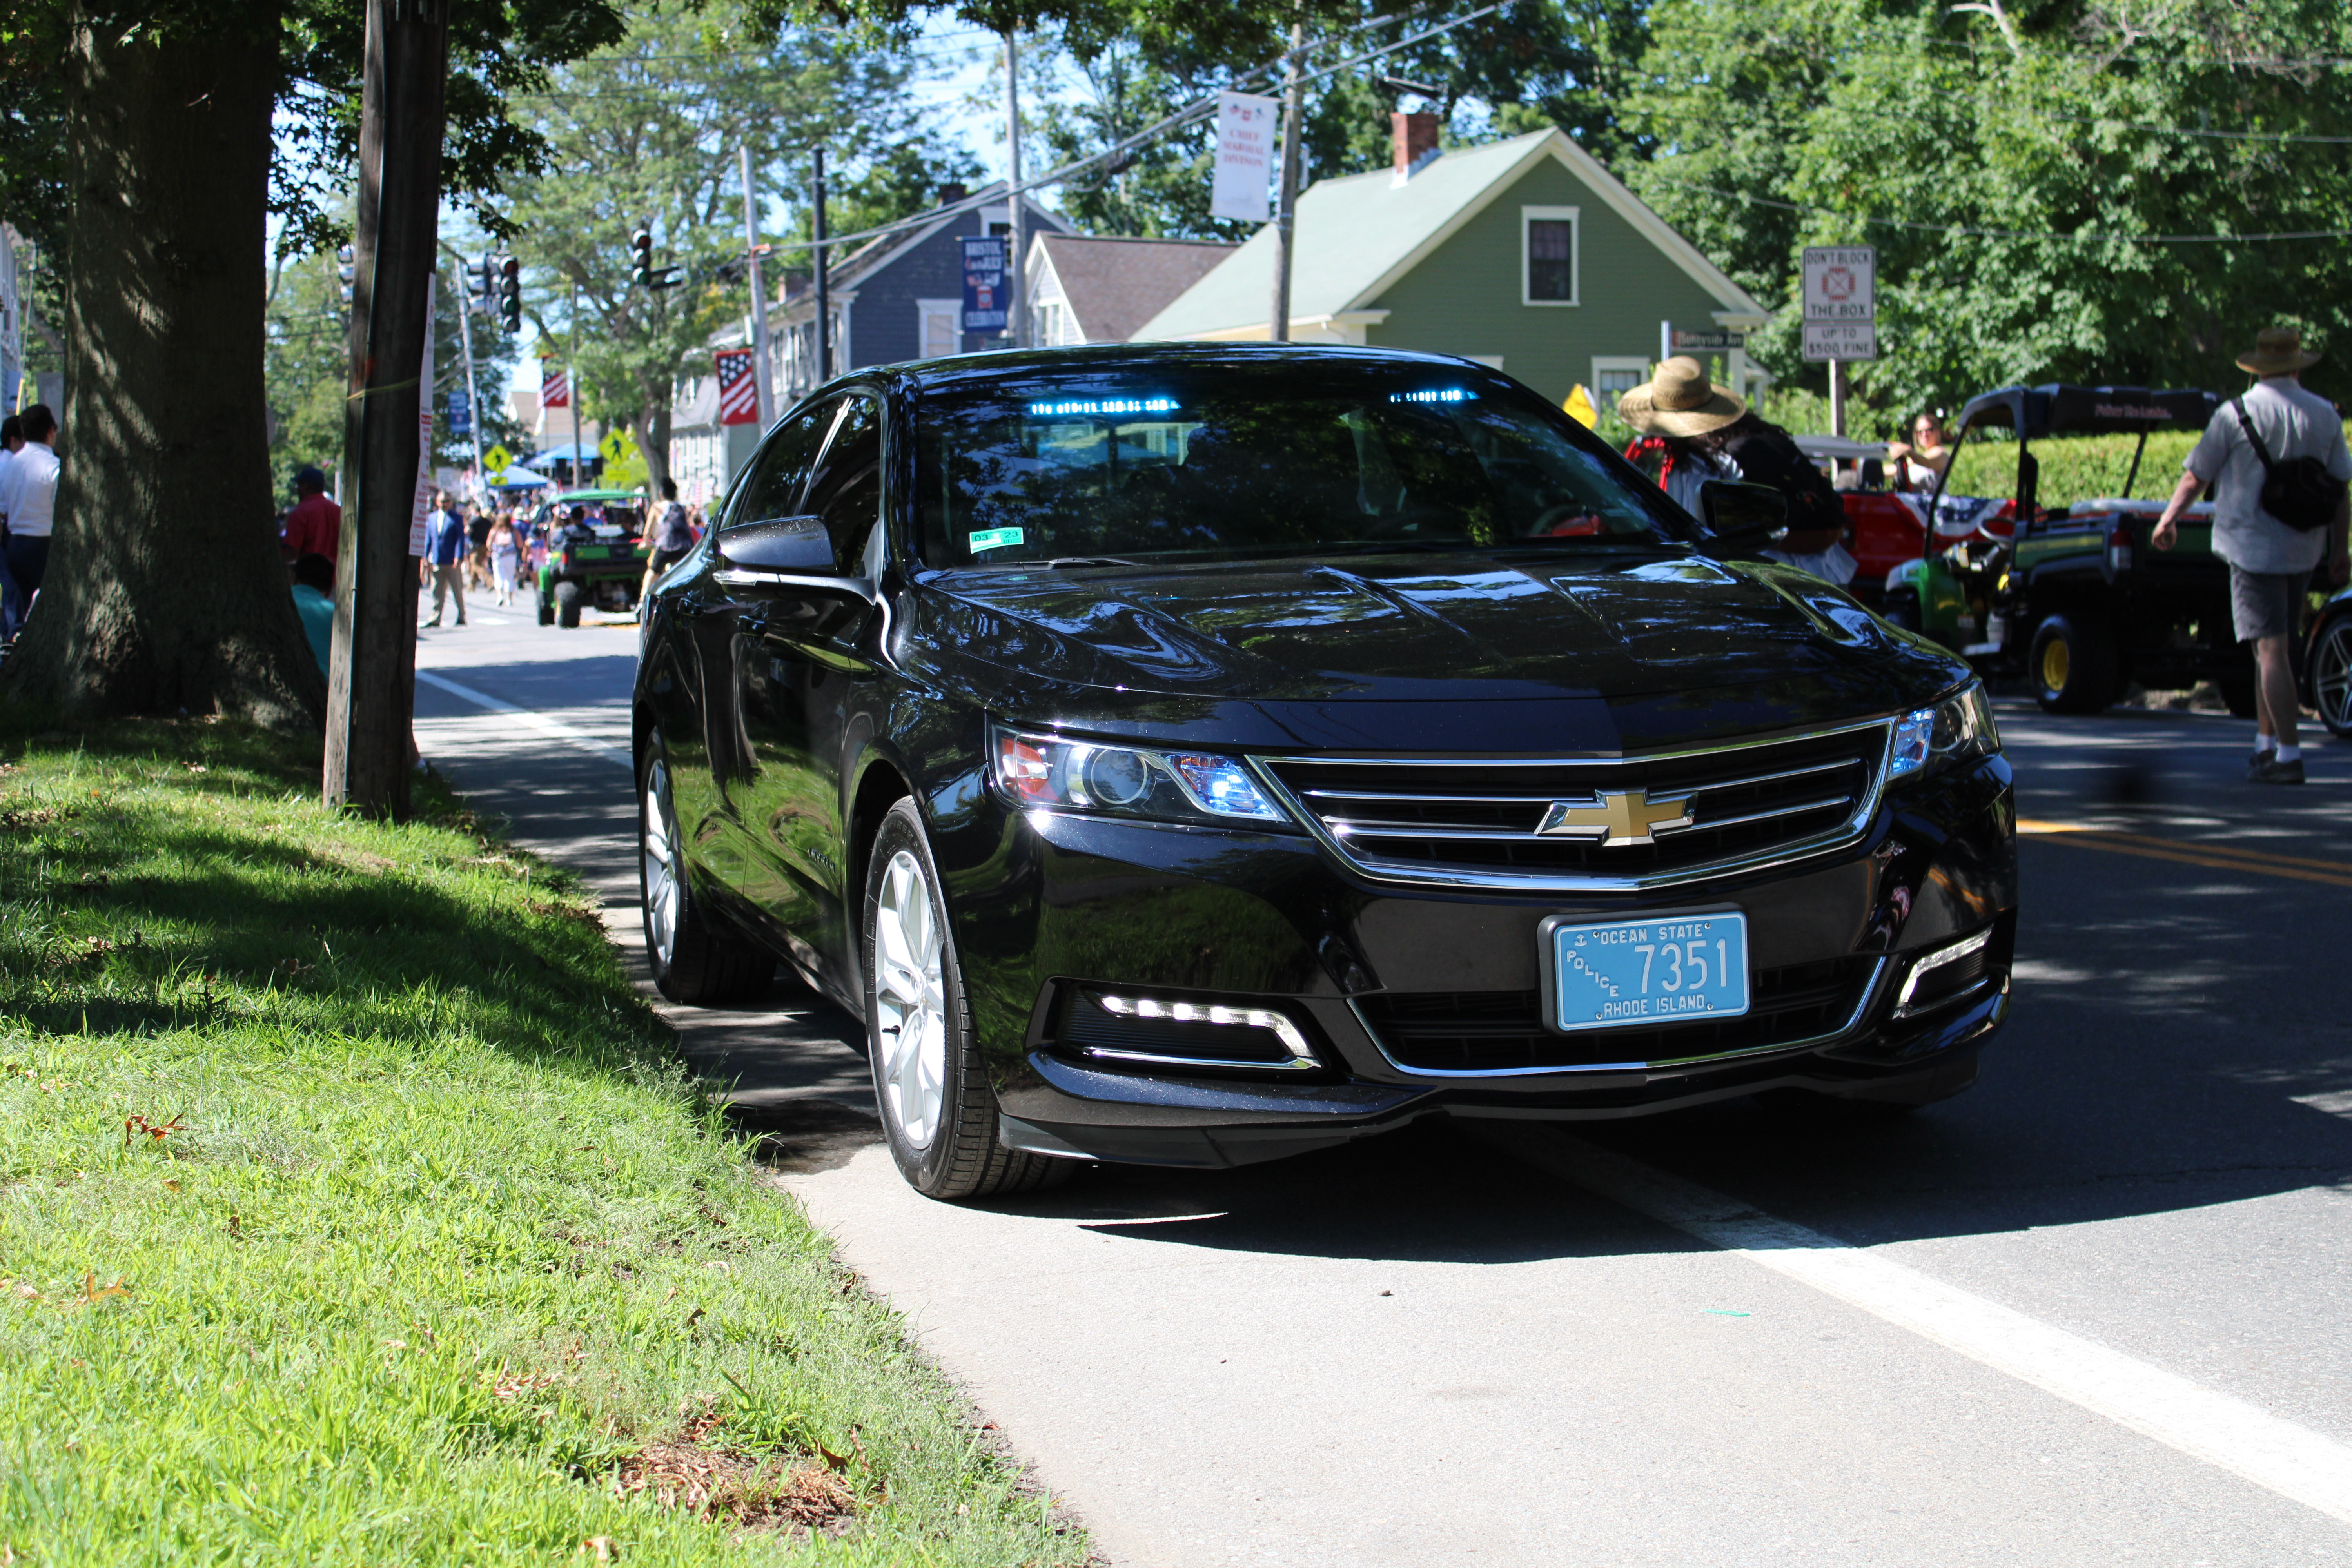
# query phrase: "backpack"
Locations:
[[2299, 492]]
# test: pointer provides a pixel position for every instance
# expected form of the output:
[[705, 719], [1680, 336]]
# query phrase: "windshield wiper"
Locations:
[[1061, 560]]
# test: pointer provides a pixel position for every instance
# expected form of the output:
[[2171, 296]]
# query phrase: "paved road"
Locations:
[[2095, 1311]]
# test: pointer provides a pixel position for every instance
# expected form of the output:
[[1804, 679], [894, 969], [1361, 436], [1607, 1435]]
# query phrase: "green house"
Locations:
[[1526, 254]]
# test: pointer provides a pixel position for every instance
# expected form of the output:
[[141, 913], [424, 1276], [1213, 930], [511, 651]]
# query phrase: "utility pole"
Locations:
[[1016, 309], [760, 377], [372, 668], [821, 280], [1286, 209], [1837, 397], [473, 400], [571, 377]]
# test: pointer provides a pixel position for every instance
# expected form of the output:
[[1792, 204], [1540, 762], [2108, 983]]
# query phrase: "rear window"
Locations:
[[1241, 462]]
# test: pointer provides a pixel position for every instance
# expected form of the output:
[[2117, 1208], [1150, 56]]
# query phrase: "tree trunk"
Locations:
[[165, 589]]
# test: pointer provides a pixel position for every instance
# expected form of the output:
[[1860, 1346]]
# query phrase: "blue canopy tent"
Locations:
[[518, 477]]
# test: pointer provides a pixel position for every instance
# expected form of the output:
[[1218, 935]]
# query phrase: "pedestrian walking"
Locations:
[[506, 555], [12, 441], [2276, 460], [444, 565], [1710, 434], [28, 499], [478, 554], [673, 536], [315, 526]]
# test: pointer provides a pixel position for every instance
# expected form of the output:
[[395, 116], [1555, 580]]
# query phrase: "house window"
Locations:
[[1614, 376], [939, 328], [1548, 238]]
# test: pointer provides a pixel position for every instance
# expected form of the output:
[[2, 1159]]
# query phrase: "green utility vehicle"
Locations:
[[2076, 598], [604, 568]]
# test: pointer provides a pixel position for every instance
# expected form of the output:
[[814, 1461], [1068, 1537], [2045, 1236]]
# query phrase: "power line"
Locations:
[[2005, 233]]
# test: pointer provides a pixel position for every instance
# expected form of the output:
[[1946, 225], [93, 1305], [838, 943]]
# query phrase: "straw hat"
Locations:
[[2278, 351], [1680, 401]]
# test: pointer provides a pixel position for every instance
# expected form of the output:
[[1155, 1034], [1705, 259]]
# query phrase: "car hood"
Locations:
[[1411, 628]]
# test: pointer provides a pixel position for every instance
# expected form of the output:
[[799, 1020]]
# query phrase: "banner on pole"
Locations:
[[739, 389], [423, 502], [1246, 126], [986, 261], [461, 413], [554, 388]]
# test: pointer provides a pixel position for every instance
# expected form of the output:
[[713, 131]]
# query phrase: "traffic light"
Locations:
[[485, 284], [641, 257], [509, 293]]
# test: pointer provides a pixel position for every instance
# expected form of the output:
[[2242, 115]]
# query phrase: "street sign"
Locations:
[[1703, 341], [616, 445], [461, 413], [1841, 297], [1246, 132], [984, 266], [625, 465], [497, 460]]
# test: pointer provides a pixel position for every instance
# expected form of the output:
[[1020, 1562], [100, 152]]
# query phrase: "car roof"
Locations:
[[996, 363]]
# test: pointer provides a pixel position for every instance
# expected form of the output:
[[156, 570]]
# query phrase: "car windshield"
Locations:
[[1255, 461]]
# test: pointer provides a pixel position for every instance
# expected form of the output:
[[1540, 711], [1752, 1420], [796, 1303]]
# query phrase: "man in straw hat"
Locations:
[[1711, 434], [2270, 563]]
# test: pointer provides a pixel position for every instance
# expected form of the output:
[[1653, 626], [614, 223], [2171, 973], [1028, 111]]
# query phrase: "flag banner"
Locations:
[[985, 265], [554, 388], [739, 389], [423, 503], [1245, 131], [461, 413]]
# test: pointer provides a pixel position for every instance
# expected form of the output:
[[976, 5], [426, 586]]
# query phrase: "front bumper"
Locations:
[[1374, 975]]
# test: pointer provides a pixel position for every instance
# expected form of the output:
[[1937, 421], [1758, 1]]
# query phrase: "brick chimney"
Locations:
[[1414, 137], [951, 193]]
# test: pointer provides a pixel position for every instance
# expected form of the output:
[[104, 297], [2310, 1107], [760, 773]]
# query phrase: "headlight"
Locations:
[[1953, 731], [1124, 780]]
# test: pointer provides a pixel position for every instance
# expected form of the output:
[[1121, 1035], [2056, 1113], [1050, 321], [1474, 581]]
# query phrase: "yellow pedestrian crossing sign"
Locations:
[[623, 465], [497, 460]]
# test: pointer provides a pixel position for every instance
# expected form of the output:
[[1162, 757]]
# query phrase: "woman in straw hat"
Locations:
[[1710, 434]]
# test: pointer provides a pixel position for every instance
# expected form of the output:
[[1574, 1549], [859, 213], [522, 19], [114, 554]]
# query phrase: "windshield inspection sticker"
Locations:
[[992, 539]]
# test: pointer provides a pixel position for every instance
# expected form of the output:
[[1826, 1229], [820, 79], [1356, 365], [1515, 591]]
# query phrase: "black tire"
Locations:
[[567, 604], [2073, 665], [1902, 609], [693, 962], [951, 1151], [546, 613], [2329, 674]]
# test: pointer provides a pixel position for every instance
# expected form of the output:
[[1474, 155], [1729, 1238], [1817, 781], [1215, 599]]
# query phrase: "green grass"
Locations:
[[442, 1244]]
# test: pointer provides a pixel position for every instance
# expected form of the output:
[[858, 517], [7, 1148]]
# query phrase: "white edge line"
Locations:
[[555, 728], [2221, 1429]]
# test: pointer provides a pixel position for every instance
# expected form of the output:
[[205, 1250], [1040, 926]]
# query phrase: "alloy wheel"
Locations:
[[661, 866], [2331, 676], [910, 1000]]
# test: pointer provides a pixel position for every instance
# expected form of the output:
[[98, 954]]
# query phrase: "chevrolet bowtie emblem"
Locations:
[[1616, 816]]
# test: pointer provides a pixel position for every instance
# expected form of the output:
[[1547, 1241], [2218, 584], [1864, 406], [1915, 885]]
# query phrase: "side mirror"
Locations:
[[1741, 516], [798, 544]]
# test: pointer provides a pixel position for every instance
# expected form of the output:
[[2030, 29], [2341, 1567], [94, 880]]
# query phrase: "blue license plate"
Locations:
[[1629, 974]]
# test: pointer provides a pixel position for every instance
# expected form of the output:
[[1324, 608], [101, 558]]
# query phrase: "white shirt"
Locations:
[[28, 490], [5, 455], [2293, 423]]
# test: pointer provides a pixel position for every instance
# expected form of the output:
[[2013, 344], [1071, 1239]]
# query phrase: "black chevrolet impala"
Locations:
[[1195, 756]]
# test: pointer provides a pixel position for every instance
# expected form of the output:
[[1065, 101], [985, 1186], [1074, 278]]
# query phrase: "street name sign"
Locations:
[[1841, 298]]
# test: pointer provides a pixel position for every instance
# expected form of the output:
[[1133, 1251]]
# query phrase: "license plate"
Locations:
[[1628, 973]]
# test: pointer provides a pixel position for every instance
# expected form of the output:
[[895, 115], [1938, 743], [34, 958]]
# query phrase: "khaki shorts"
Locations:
[[2264, 604]]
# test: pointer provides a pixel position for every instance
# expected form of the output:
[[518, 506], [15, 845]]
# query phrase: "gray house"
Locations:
[[1526, 254], [899, 297]]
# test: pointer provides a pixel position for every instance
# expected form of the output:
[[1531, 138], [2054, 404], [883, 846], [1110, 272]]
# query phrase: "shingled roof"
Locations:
[[1114, 286]]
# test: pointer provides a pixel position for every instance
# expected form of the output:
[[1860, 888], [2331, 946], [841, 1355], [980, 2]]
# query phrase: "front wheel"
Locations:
[[2074, 665], [930, 1083], [2330, 673]]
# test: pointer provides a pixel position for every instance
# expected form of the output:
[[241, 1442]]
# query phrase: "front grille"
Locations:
[[1475, 821], [1450, 1032]]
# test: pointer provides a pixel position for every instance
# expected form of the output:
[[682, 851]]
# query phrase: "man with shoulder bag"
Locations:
[[2277, 459]]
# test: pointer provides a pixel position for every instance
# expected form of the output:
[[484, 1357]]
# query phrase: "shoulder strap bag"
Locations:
[[2300, 492]]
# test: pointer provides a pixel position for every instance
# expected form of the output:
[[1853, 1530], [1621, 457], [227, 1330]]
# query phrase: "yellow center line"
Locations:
[[2187, 852]]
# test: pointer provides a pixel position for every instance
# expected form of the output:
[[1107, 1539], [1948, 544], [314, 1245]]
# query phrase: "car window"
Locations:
[[1226, 465], [846, 489], [779, 473]]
